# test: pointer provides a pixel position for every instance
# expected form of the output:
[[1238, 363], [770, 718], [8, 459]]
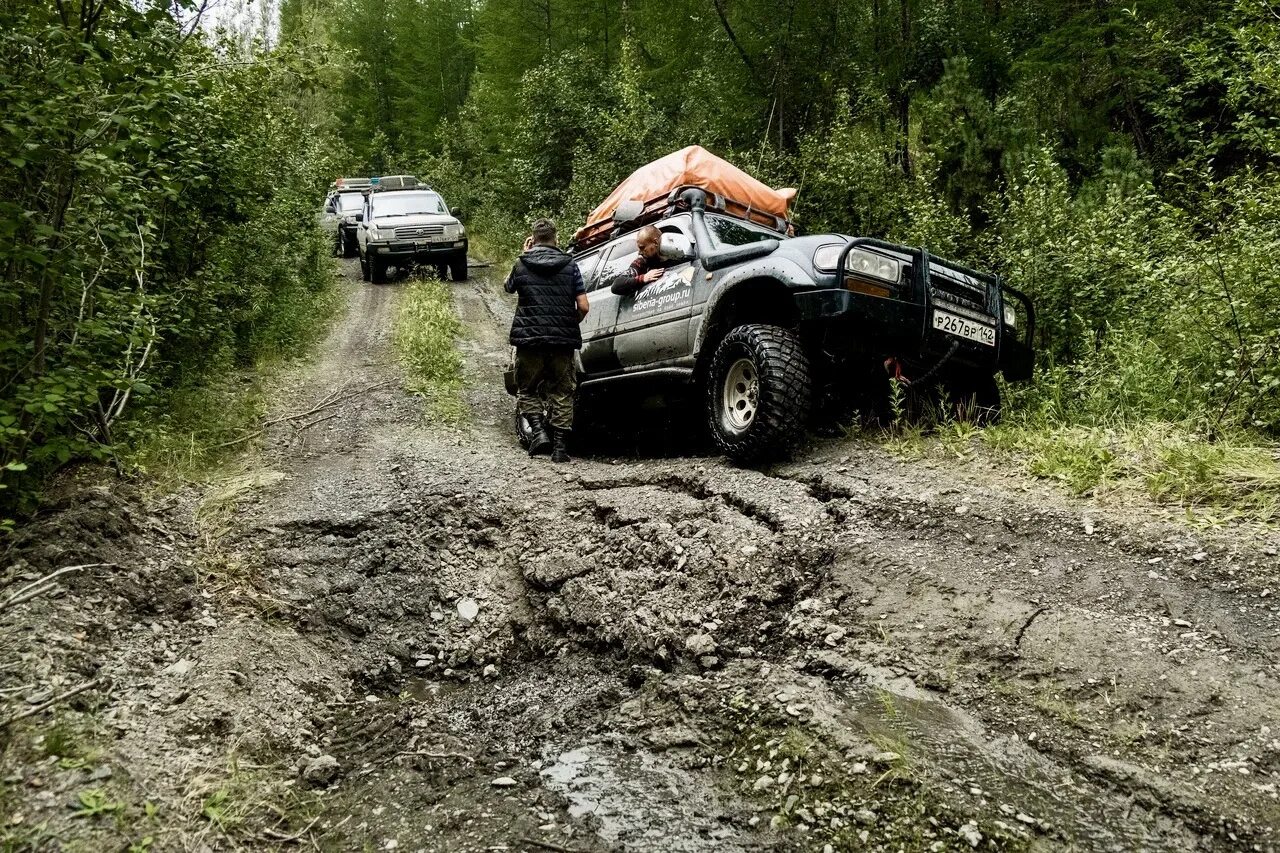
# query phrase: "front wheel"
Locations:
[[458, 268], [364, 267], [758, 391], [378, 270]]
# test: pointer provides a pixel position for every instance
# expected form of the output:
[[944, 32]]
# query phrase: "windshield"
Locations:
[[407, 204], [350, 202], [733, 232]]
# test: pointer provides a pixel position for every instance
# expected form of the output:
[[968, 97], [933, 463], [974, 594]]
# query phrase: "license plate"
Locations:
[[961, 327]]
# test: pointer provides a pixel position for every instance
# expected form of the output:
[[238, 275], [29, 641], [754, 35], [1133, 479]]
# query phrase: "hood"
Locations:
[[414, 219], [545, 260]]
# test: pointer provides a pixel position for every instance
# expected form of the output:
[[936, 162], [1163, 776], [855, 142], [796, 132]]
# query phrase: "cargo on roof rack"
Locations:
[[657, 186], [351, 184]]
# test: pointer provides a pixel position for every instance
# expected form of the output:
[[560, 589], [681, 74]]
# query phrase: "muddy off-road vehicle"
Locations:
[[341, 213], [406, 222], [765, 326]]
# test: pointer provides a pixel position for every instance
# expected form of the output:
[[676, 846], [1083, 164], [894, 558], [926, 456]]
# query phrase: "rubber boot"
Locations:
[[560, 449], [541, 442]]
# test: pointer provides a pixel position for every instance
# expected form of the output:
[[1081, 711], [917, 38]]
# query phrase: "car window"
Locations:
[[587, 266], [733, 232], [617, 258], [328, 205], [350, 202], [406, 204]]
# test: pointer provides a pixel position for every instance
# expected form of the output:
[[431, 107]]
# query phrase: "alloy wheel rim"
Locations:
[[741, 395]]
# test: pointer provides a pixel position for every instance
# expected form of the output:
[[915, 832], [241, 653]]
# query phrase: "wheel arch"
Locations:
[[749, 296]]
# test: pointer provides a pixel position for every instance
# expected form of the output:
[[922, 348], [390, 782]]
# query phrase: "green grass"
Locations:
[[1230, 478], [426, 335]]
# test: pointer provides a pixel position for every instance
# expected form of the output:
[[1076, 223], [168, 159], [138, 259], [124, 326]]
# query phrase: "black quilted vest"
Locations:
[[547, 314]]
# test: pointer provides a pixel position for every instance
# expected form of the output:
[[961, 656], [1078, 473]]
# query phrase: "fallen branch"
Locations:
[[310, 424], [281, 838], [44, 706], [547, 845], [457, 755], [238, 440], [326, 403], [40, 587]]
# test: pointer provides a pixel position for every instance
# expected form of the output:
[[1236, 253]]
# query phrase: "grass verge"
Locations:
[[426, 336], [188, 431], [1233, 478]]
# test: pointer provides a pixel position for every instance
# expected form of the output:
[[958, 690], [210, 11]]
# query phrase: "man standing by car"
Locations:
[[553, 301], [645, 269]]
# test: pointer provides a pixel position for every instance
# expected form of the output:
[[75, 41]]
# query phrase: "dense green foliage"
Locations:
[[157, 213], [1115, 160]]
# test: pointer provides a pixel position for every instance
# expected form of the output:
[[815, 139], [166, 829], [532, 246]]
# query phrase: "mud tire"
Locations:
[[347, 246], [378, 270], [364, 268], [777, 368], [458, 268]]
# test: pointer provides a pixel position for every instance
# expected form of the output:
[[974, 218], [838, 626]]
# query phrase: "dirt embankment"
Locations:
[[380, 634]]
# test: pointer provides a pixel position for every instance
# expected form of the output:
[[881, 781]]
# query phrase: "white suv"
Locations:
[[410, 226]]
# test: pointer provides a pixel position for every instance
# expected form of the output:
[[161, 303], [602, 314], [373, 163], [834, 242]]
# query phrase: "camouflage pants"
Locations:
[[546, 374]]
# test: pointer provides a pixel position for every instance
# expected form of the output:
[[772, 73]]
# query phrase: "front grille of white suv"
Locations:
[[410, 232]]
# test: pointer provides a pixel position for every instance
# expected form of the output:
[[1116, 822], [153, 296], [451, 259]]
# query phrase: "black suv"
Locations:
[[765, 325]]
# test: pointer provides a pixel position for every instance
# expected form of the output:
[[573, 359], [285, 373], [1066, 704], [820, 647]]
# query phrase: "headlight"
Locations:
[[1010, 317], [452, 232], [859, 261], [373, 233]]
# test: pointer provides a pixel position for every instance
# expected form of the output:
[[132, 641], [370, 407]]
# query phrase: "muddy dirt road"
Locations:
[[381, 634]]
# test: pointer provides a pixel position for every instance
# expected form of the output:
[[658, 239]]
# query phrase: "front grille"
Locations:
[[946, 289], [412, 232]]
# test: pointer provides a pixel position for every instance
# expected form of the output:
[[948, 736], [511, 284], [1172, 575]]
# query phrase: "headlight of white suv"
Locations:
[[859, 261], [453, 231], [373, 233]]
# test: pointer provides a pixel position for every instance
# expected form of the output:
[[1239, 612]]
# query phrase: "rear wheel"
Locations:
[[758, 391], [458, 268]]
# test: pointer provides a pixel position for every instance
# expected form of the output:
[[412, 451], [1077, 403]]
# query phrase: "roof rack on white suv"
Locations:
[[342, 184], [398, 182]]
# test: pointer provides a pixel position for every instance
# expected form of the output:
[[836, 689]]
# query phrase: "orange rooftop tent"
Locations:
[[694, 166]]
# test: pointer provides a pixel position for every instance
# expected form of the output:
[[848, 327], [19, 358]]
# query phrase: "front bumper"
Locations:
[[845, 323], [417, 250]]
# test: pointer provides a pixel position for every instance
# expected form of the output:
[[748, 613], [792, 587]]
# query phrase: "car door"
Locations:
[[600, 325], [653, 322]]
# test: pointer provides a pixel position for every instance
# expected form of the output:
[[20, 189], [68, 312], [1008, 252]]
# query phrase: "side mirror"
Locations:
[[360, 217], [628, 211], [456, 213], [676, 247]]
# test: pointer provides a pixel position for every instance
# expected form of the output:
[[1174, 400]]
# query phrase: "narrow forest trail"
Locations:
[[383, 634]]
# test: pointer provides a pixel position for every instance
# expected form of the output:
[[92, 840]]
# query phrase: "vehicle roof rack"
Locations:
[[351, 184], [671, 204], [397, 182]]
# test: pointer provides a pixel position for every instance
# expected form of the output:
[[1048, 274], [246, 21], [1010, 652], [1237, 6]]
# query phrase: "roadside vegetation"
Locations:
[[1116, 161], [426, 334], [157, 205]]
